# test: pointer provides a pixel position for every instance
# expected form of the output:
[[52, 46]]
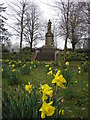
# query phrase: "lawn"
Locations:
[[73, 99]]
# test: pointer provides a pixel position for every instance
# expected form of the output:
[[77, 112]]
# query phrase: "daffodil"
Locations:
[[46, 86], [19, 61], [13, 70], [79, 68], [50, 72], [67, 63], [58, 73], [30, 68], [55, 69], [47, 91], [9, 63], [76, 81], [79, 71], [34, 66], [13, 65], [50, 68], [47, 109], [31, 62], [28, 87], [46, 65], [59, 80], [61, 112]]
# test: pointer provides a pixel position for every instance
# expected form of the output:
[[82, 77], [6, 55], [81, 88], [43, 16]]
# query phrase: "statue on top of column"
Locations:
[[49, 26]]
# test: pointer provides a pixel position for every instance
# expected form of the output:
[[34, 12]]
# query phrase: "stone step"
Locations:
[[45, 56]]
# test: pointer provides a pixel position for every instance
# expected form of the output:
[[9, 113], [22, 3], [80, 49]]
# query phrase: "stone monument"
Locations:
[[48, 51], [49, 36]]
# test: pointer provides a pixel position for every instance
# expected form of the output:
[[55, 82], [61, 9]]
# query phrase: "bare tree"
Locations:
[[71, 22], [63, 10], [22, 24], [34, 29], [19, 9], [77, 24]]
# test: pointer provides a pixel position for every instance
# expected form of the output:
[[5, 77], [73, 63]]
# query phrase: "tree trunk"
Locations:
[[65, 49], [73, 46], [21, 39]]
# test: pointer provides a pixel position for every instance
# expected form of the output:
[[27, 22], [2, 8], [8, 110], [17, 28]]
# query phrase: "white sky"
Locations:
[[47, 13]]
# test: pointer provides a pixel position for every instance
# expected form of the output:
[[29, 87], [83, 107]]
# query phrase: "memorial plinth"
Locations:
[[47, 52]]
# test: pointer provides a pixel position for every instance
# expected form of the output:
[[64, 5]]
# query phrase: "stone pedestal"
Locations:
[[49, 39], [48, 51]]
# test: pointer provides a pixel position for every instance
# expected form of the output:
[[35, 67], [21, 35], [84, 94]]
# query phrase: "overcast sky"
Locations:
[[47, 14]]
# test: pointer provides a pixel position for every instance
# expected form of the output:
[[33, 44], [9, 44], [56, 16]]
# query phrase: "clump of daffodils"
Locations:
[[46, 109], [47, 91], [79, 69], [50, 71]]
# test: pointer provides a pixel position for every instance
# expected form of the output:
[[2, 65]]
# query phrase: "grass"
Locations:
[[74, 99]]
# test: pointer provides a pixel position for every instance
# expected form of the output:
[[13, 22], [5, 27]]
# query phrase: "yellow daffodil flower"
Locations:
[[46, 90], [50, 72], [61, 112], [46, 65], [79, 71], [50, 68], [19, 61], [55, 69], [13, 65], [30, 68], [76, 81], [13, 70], [59, 80], [58, 73], [67, 63], [79, 68], [47, 109], [9, 63], [28, 87], [2, 69], [45, 93], [34, 66], [31, 62], [46, 86]]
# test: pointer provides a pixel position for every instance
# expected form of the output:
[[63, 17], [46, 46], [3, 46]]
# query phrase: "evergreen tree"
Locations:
[[4, 34]]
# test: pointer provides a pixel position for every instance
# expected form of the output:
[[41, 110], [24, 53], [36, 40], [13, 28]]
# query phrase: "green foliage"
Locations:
[[17, 56], [74, 96], [25, 70], [9, 75], [67, 75], [26, 106], [75, 57], [85, 67]]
